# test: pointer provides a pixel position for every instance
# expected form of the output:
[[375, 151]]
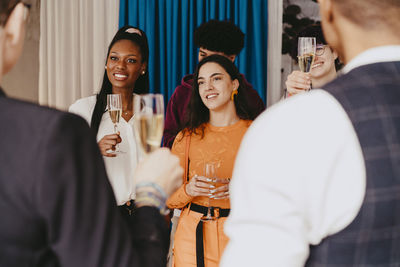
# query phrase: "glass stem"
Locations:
[[116, 131]]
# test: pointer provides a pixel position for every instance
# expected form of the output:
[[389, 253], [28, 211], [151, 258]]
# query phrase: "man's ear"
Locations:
[[325, 9], [14, 34], [329, 21], [15, 25]]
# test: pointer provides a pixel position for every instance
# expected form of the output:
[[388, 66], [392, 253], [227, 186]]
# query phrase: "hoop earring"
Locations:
[[234, 93]]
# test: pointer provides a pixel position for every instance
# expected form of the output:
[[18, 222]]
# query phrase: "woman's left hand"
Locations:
[[222, 191]]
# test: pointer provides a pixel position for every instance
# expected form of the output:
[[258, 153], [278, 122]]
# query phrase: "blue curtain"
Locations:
[[169, 25]]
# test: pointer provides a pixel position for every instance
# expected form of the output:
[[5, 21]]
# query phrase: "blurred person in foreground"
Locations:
[[57, 205], [323, 188]]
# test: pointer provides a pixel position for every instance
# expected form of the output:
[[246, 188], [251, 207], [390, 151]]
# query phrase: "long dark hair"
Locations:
[[198, 114], [142, 83]]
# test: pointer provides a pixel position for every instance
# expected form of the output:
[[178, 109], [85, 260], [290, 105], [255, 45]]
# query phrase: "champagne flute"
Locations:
[[209, 172], [306, 53], [114, 107], [148, 121]]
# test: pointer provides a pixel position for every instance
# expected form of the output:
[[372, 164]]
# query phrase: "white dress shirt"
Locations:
[[299, 177], [119, 169]]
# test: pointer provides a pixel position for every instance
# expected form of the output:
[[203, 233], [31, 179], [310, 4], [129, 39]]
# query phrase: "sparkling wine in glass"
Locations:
[[114, 107], [306, 53], [148, 120], [209, 172]]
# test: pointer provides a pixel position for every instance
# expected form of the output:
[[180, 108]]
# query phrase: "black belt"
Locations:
[[218, 213]]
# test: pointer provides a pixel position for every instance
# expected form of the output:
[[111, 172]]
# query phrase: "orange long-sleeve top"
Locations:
[[220, 146]]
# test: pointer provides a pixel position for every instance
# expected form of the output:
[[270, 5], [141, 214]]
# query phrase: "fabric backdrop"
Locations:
[[74, 36], [274, 74], [169, 25]]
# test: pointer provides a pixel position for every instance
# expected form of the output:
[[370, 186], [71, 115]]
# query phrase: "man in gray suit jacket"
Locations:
[[57, 207], [317, 178]]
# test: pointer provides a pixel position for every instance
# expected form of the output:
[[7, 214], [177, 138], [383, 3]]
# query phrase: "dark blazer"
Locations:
[[57, 207], [370, 95]]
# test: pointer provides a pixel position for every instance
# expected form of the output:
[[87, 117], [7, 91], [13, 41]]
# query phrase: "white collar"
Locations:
[[374, 55]]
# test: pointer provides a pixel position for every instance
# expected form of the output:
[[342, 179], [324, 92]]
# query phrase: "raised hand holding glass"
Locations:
[[148, 120], [114, 107], [306, 53]]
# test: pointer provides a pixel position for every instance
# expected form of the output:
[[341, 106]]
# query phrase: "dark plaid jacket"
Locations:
[[371, 97]]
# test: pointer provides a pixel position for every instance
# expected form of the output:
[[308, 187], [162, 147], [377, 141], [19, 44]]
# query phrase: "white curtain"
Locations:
[[74, 35], [275, 11]]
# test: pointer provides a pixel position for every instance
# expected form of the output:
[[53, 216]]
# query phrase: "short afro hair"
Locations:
[[219, 36]]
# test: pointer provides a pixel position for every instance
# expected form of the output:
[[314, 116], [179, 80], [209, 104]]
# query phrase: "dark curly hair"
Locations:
[[219, 36], [198, 114], [142, 83]]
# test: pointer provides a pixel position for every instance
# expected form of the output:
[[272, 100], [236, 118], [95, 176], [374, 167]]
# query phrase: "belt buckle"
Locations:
[[216, 212], [130, 207]]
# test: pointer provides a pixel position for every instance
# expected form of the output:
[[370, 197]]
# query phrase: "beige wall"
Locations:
[[22, 82]]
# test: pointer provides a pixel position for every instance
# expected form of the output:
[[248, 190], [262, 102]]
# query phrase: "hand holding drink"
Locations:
[[221, 190], [306, 53], [201, 186], [148, 113], [298, 82], [109, 143]]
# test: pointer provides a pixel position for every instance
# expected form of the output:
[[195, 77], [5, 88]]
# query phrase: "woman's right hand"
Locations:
[[199, 186], [298, 82], [108, 142]]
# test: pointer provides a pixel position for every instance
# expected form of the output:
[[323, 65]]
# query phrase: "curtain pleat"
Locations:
[[74, 36], [169, 25]]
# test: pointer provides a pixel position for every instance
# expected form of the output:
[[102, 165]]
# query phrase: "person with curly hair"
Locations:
[[212, 37]]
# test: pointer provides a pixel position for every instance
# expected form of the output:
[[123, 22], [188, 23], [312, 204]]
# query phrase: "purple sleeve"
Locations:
[[255, 102], [171, 122], [176, 109]]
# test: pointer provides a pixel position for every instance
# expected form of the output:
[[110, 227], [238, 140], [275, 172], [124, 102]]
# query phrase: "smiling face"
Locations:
[[324, 64], [216, 86], [124, 64]]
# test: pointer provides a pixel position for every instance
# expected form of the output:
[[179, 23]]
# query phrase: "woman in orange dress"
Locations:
[[217, 120]]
